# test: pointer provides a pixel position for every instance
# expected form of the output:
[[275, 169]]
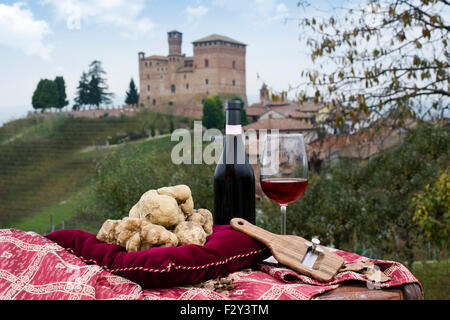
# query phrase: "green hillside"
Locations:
[[46, 162]]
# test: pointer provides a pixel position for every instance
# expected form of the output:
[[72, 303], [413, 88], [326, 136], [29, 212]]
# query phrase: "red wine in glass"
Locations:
[[284, 170], [284, 191]]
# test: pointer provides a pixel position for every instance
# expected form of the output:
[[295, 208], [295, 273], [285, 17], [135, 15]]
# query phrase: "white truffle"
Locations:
[[204, 218], [134, 211], [189, 232], [160, 209]]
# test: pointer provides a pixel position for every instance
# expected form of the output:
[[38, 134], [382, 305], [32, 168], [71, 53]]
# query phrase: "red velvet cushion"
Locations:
[[225, 250]]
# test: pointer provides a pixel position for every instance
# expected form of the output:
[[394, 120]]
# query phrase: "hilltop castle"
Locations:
[[216, 68]]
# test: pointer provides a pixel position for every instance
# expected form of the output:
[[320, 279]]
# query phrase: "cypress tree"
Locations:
[[61, 87], [132, 95], [82, 97], [98, 89]]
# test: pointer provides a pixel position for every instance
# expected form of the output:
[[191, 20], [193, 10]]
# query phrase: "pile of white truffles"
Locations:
[[161, 218]]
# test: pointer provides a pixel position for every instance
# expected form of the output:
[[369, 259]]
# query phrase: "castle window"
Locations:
[[145, 63], [172, 88], [234, 64], [148, 87], [185, 76], [187, 85], [206, 63], [234, 83], [150, 63], [206, 81], [154, 101]]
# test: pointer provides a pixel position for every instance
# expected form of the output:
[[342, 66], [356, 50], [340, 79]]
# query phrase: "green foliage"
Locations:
[[98, 89], [61, 87], [434, 276], [213, 113], [46, 95], [152, 130], [125, 175], [432, 210], [92, 88], [82, 97], [95, 92], [132, 95]]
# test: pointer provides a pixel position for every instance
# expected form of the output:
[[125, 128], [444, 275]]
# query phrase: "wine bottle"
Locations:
[[234, 180]]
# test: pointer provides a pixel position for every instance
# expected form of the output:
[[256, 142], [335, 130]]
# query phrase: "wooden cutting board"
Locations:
[[290, 250]]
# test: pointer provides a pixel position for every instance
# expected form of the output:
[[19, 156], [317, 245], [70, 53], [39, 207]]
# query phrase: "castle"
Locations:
[[216, 68]]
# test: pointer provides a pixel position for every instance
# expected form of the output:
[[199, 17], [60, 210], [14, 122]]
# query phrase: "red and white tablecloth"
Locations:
[[33, 267]]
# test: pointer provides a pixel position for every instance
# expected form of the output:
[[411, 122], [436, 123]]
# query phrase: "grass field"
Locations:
[[434, 277]]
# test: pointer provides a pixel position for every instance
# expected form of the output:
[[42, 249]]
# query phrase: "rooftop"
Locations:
[[310, 106], [280, 124], [293, 112], [156, 57], [218, 37], [255, 110]]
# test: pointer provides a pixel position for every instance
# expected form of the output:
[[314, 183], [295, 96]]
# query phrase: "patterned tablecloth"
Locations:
[[33, 267]]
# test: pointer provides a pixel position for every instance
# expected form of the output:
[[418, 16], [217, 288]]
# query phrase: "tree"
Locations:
[[35, 99], [61, 87], [82, 97], [213, 112], [383, 59], [98, 89], [132, 95], [432, 210], [46, 95], [95, 92]]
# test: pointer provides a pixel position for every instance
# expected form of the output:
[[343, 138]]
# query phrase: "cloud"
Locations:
[[281, 12], [271, 10], [259, 12], [124, 16], [194, 14], [19, 29]]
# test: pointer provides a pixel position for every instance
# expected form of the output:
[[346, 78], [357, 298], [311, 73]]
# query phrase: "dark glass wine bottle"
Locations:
[[234, 180]]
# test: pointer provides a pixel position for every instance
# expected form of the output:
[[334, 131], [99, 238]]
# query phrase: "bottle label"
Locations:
[[233, 130]]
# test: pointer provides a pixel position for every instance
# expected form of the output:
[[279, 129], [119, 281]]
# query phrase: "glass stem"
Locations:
[[283, 219]]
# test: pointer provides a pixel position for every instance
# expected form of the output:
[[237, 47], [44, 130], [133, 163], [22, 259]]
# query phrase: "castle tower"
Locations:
[[175, 39], [263, 94]]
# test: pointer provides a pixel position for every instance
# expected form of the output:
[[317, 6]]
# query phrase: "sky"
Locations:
[[49, 38]]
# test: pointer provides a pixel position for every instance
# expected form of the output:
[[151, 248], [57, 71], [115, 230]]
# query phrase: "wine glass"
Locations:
[[284, 170]]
